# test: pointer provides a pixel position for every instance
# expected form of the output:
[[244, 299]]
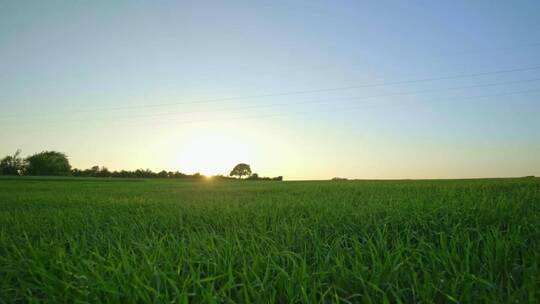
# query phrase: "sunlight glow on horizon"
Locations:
[[303, 89], [211, 152]]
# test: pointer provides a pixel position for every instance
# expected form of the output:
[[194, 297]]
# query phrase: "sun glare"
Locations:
[[212, 153]]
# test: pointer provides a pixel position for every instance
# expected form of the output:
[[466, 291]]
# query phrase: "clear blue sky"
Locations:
[[203, 85]]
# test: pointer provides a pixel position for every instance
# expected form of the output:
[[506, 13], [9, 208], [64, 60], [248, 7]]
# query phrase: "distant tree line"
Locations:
[[255, 176], [52, 163], [97, 171]]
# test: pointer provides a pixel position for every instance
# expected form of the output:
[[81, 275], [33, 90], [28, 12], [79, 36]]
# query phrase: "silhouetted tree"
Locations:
[[241, 170], [48, 163], [103, 172], [94, 171], [12, 164], [178, 174]]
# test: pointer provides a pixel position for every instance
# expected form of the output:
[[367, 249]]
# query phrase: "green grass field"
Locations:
[[163, 241]]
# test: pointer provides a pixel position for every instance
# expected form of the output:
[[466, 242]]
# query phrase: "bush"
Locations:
[[12, 164], [48, 163]]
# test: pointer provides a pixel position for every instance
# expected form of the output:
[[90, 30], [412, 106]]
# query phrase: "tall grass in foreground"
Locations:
[[468, 241]]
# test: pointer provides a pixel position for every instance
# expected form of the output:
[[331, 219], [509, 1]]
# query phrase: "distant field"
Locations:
[[163, 241]]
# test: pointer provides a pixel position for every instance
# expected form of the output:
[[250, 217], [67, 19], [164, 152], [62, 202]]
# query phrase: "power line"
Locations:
[[356, 107], [437, 57], [290, 93], [228, 109], [372, 106]]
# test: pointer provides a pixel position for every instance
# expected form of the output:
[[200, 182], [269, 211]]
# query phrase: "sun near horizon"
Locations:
[[304, 151], [307, 90]]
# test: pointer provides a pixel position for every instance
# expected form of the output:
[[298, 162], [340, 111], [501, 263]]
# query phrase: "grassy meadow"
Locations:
[[79, 240]]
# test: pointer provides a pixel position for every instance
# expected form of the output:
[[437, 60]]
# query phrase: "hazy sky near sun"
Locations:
[[303, 89]]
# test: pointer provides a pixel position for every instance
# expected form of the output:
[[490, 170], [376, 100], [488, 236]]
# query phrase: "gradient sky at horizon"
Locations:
[[198, 86]]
